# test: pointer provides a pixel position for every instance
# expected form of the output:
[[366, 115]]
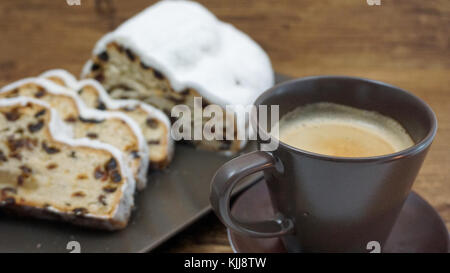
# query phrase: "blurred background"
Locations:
[[403, 42]]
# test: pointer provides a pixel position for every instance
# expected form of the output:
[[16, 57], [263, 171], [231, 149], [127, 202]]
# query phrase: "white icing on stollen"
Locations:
[[62, 74], [112, 104], [61, 132], [88, 113], [193, 49]]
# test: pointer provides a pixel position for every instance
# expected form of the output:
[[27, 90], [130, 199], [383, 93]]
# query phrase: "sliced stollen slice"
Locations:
[[116, 129], [47, 174], [153, 123], [174, 51]]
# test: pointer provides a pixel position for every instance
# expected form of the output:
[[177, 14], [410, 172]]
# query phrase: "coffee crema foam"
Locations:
[[339, 130]]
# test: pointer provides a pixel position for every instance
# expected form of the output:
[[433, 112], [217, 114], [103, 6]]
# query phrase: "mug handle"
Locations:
[[226, 179]]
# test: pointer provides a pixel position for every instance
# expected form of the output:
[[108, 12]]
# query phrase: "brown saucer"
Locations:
[[419, 228]]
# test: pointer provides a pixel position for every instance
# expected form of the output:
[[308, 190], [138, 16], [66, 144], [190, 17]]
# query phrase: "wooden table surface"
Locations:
[[401, 42]]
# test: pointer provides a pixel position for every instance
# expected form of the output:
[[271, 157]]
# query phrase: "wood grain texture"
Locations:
[[401, 42]]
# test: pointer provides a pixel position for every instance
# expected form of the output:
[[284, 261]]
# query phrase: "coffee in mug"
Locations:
[[350, 150], [339, 130]]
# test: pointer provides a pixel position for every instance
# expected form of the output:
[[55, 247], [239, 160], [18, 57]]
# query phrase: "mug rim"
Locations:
[[410, 151]]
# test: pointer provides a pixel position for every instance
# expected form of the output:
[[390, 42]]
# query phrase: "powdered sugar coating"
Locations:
[[62, 74], [193, 49], [114, 104]]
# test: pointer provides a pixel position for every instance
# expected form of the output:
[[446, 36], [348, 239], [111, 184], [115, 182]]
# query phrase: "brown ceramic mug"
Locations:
[[325, 203]]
